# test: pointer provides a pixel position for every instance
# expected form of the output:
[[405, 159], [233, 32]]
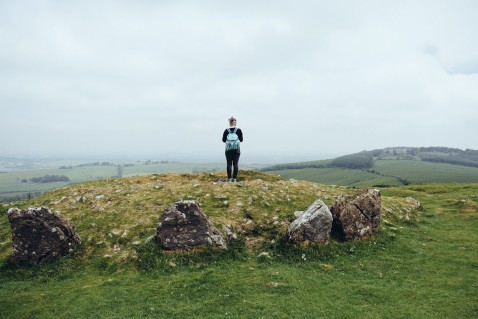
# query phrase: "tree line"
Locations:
[[48, 179]]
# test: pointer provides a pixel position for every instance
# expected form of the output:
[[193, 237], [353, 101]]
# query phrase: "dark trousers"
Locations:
[[232, 158]]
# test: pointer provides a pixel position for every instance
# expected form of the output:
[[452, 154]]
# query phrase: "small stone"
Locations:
[[229, 234], [58, 201]]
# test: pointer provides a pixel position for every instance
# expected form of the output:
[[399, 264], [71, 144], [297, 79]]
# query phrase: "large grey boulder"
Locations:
[[313, 226], [183, 226], [40, 236], [356, 217]]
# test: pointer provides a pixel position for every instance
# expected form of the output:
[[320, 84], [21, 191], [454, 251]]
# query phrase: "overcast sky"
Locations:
[[305, 79]]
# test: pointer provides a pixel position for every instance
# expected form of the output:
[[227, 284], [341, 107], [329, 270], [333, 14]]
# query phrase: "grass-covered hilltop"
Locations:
[[422, 262]]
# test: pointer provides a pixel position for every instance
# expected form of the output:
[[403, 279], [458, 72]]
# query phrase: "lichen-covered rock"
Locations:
[[40, 236], [412, 202], [358, 217], [313, 226], [183, 226]]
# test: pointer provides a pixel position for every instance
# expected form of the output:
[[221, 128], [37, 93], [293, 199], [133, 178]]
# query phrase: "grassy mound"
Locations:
[[116, 217], [409, 269]]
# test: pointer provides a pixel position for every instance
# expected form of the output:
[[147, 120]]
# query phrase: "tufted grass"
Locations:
[[425, 266]]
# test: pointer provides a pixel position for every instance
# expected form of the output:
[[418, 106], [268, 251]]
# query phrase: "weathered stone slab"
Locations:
[[313, 226], [40, 236], [358, 217], [183, 226]]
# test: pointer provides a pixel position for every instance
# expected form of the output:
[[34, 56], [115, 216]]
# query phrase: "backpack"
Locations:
[[232, 141]]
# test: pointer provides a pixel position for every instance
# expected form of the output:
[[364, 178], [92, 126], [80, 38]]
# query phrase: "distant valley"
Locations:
[[393, 166]]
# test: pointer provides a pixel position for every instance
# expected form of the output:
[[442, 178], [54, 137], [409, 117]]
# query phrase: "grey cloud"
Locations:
[[144, 77]]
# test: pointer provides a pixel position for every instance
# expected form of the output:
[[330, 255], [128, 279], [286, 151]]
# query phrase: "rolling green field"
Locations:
[[386, 172], [423, 266], [11, 185], [427, 172]]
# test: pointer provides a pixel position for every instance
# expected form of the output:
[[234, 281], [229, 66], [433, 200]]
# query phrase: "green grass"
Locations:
[[426, 266], [329, 176], [386, 172], [378, 182], [427, 172]]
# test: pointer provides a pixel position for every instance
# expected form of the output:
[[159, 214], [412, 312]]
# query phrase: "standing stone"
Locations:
[[183, 226], [356, 218], [313, 226], [40, 236]]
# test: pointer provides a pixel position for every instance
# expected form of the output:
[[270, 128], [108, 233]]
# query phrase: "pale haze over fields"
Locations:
[[305, 79]]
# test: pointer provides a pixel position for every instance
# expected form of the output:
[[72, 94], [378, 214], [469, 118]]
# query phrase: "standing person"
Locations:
[[232, 136]]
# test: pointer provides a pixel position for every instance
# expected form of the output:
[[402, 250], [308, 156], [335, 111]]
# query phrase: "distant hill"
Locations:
[[388, 166]]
